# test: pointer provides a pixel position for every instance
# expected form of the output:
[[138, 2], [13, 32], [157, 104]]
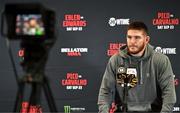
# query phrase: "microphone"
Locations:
[[127, 77]]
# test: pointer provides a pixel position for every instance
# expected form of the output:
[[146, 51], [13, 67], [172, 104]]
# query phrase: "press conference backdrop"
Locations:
[[83, 48]]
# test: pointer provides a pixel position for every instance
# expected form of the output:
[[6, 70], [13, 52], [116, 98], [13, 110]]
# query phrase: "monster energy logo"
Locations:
[[67, 109]]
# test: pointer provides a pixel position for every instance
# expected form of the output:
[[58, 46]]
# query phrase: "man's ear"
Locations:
[[147, 39]]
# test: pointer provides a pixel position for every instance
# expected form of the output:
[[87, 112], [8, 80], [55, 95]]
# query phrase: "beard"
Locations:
[[135, 49]]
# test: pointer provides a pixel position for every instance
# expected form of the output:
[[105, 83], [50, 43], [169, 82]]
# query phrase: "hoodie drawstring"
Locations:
[[141, 77]]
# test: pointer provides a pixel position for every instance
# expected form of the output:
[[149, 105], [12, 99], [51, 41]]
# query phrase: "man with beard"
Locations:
[[152, 88]]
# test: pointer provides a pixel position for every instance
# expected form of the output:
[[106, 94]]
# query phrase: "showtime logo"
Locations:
[[165, 20], [165, 50], [74, 22], [74, 81], [114, 48], [176, 109], [74, 52], [113, 21]]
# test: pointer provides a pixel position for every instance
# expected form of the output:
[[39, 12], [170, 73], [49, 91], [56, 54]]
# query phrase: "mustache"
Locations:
[[132, 46]]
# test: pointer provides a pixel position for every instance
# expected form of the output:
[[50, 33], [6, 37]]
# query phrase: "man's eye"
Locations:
[[137, 37]]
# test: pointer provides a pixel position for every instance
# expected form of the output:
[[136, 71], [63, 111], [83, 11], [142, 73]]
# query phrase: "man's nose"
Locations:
[[132, 40]]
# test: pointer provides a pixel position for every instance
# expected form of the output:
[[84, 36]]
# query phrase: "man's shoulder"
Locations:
[[115, 56], [159, 55], [116, 59], [159, 58]]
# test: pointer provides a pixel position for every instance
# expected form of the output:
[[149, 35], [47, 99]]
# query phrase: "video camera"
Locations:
[[34, 25], [29, 21]]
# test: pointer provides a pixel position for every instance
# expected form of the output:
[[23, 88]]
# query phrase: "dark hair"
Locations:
[[138, 25]]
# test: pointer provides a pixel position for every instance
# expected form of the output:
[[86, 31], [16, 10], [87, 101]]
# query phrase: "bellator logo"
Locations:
[[165, 20], [74, 52]]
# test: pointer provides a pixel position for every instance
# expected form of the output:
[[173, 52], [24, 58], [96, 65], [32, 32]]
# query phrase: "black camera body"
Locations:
[[29, 21], [34, 25]]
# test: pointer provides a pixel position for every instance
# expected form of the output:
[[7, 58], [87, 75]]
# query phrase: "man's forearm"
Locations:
[[167, 108], [104, 108]]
